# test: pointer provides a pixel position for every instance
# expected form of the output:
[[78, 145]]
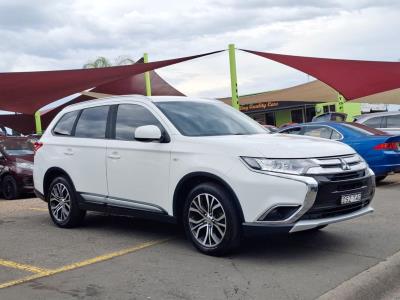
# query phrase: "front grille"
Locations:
[[346, 175], [334, 211], [328, 200], [28, 181]]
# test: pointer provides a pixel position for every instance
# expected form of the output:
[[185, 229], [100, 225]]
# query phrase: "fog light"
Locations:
[[280, 213]]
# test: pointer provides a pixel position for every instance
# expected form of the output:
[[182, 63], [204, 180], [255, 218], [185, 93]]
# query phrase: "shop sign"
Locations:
[[258, 106]]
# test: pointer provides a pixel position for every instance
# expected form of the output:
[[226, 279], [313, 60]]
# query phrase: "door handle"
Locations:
[[69, 152], [114, 155]]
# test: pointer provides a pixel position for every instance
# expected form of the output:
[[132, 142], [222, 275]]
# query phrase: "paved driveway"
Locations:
[[126, 258]]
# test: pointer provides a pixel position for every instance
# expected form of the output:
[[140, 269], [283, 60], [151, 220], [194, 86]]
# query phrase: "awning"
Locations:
[[27, 92], [352, 78]]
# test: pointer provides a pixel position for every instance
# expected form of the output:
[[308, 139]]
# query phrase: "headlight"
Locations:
[[24, 165], [288, 166]]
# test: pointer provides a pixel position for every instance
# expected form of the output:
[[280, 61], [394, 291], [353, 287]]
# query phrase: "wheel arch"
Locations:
[[51, 174], [189, 181]]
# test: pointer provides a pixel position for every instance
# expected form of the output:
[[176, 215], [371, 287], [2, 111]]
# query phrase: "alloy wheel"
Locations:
[[60, 202], [207, 220]]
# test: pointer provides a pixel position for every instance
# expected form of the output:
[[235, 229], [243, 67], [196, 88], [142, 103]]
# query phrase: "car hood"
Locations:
[[277, 146]]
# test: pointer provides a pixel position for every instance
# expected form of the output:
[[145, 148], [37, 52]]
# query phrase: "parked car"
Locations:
[[385, 121], [16, 166], [380, 150], [199, 163], [330, 116], [270, 128]]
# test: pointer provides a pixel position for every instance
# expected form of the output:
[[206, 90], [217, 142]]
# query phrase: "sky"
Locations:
[[66, 34]]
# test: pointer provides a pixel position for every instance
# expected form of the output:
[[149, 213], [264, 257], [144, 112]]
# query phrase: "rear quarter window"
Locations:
[[66, 123]]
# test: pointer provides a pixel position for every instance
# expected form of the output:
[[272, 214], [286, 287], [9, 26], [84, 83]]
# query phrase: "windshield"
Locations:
[[208, 119], [17, 147]]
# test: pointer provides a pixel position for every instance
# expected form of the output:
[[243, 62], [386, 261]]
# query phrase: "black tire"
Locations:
[[380, 178], [10, 188], [219, 244], [63, 217]]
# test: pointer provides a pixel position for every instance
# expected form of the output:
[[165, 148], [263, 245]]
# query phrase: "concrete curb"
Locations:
[[378, 282]]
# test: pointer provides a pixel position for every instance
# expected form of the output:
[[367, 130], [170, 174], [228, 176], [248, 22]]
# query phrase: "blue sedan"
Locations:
[[380, 150]]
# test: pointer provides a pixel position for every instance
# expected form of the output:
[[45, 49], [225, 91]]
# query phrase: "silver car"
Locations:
[[385, 121]]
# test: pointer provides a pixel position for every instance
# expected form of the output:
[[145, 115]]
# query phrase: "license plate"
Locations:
[[350, 198]]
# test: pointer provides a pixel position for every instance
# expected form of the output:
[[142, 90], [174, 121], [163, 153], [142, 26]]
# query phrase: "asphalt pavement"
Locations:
[[113, 257]]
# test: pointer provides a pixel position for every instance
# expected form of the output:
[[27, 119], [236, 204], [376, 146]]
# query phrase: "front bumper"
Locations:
[[322, 204]]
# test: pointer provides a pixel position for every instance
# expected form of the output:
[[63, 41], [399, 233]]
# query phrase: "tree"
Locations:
[[103, 62]]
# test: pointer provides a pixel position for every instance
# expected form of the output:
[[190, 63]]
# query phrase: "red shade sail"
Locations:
[[22, 123], [26, 92], [352, 78]]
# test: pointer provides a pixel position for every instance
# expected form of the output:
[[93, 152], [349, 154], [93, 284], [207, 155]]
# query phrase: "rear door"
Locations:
[[82, 153], [138, 172]]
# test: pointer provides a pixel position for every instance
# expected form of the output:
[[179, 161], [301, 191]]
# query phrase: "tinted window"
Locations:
[[295, 130], [374, 122], [320, 132], [92, 122], [64, 126], [129, 117], [208, 119], [393, 121]]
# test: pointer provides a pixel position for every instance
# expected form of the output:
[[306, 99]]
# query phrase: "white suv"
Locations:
[[196, 162]]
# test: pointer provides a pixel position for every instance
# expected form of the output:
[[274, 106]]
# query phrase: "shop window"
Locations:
[[297, 116]]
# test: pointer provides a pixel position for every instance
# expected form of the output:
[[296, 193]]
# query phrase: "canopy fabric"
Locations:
[[22, 123], [352, 78], [314, 91], [27, 92]]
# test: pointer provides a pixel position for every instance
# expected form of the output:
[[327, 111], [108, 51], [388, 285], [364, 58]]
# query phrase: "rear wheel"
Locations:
[[62, 204], [10, 188], [210, 219]]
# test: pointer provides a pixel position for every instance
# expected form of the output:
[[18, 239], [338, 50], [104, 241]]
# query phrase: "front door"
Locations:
[[137, 172]]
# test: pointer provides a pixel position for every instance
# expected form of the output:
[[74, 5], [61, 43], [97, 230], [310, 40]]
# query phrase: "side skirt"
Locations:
[[123, 207]]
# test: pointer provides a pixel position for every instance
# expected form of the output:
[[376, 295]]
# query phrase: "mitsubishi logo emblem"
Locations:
[[344, 165]]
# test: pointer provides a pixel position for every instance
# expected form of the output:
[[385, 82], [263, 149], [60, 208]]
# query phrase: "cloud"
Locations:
[[43, 35]]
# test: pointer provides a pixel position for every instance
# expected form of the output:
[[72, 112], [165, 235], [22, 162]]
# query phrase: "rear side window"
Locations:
[[393, 121], [66, 123], [374, 122], [131, 116], [321, 132], [92, 123], [295, 130]]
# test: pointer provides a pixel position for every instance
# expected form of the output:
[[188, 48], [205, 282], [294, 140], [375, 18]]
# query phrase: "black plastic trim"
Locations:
[[39, 195], [211, 176]]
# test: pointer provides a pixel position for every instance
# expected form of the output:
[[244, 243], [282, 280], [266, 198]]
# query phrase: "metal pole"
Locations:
[[38, 123], [341, 101], [147, 76], [232, 66]]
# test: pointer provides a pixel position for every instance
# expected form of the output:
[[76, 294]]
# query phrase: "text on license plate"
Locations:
[[350, 198]]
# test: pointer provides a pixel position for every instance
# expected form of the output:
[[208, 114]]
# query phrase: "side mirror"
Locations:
[[148, 133]]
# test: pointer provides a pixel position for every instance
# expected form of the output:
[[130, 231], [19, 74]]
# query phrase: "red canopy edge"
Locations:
[[27, 92], [352, 78]]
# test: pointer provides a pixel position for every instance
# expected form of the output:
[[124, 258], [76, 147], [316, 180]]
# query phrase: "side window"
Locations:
[[335, 135], [131, 116], [295, 130], [321, 132], [374, 122], [92, 123], [393, 121], [66, 123]]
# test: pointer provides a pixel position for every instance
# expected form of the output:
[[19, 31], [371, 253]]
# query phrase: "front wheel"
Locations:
[[10, 188], [210, 219], [62, 204]]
